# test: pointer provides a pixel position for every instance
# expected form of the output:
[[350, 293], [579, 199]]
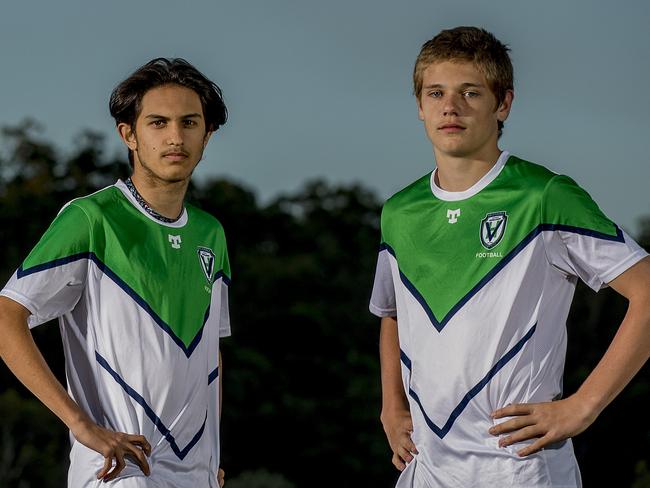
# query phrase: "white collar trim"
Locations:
[[454, 196], [182, 220]]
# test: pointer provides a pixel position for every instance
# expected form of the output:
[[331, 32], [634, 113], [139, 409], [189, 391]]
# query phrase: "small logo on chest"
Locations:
[[206, 258], [175, 241], [493, 227], [452, 215]]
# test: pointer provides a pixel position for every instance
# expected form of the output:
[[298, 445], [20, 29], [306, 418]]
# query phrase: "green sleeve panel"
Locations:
[[68, 235], [564, 203]]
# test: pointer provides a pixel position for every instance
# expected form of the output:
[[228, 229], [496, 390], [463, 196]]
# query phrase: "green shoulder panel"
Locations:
[[410, 198], [68, 235], [445, 250], [169, 271], [566, 204]]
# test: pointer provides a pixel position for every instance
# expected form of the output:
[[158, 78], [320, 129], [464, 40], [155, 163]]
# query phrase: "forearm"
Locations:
[[21, 355], [629, 349], [550, 422], [627, 353], [392, 389]]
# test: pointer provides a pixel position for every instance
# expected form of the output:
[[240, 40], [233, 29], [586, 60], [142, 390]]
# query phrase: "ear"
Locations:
[[127, 134], [206, 138], [420, 111], [503, 110]]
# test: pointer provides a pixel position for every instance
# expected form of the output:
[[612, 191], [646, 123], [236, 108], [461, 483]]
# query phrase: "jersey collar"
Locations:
[[126, 191], [454, 196]]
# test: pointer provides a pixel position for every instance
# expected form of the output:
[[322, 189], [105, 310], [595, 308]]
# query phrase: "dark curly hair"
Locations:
[[126, 100]]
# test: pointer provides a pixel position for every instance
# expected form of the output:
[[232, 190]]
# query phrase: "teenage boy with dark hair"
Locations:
[[476, 272], [139, 283]]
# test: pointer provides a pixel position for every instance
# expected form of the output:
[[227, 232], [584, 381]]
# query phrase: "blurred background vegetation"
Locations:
[[301, 371]]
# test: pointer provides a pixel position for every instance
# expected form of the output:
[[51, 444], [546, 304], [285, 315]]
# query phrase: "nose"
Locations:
[[175, 135], [450, 105]]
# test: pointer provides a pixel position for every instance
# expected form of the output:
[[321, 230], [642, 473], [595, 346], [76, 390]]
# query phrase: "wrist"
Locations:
[[390, 412], [589, 405], [78, 421]]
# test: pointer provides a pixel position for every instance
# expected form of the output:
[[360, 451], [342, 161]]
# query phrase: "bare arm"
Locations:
[[395, 413], [23, 358], [627, 353]]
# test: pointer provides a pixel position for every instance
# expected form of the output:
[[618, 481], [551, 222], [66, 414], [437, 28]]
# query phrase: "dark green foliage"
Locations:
[[301, 372], [33, 444]]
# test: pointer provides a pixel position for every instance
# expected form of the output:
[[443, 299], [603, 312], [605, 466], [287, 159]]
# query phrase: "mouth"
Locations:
[[451, 128], [175, 155]]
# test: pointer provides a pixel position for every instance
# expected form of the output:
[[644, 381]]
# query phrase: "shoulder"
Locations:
[[84, 210], [408, 195], [563, 203], [95, 204], [402, 203], [204, 220], [532, 176]]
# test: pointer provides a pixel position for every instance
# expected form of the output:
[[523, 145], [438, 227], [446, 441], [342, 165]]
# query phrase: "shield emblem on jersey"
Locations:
[[206, 258], [493, 227]]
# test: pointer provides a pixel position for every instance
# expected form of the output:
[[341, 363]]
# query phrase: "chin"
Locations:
[[176, 178], [453, 151], [176, 175]]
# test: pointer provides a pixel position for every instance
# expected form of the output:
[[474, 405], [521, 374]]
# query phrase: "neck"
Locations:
[[165, 198], [459, 174]]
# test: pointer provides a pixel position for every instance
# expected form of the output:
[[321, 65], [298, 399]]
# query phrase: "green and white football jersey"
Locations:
[[481, 282], [141, 306]]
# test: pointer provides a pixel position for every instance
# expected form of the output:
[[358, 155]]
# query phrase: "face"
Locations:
[[460, 112], [169, 136]]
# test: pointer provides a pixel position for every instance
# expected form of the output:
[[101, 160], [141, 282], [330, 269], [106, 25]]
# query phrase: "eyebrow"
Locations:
[[463, 85], [186, 116]]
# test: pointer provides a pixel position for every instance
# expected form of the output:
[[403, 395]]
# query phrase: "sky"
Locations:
[[321, 89]]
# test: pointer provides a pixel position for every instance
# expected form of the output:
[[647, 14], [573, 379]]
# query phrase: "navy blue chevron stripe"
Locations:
[[442, 431], [619, 237], [188, 350], [213, 375], [21, 273], [405, 359], [440, 324], [180, 453], [223, 277]]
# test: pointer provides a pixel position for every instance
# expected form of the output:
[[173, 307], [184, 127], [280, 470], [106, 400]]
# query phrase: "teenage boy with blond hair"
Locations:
[[476, 271]]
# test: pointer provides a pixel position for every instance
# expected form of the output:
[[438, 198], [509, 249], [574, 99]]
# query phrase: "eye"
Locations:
[[470, 94], [189, 123], [435, 94], [158, 123]]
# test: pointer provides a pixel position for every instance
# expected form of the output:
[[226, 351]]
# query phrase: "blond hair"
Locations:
[[489, 55]]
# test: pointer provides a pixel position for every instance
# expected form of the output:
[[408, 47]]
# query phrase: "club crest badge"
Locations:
[[493, 227], [206, 258]]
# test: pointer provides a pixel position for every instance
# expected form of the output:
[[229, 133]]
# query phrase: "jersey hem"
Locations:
[[623, 266], [20, 299], [382, 312]]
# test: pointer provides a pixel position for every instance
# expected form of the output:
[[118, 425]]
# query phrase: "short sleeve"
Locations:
[[382, 300], [224, 311], [580, 240], [50, 281], [223, 281]]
